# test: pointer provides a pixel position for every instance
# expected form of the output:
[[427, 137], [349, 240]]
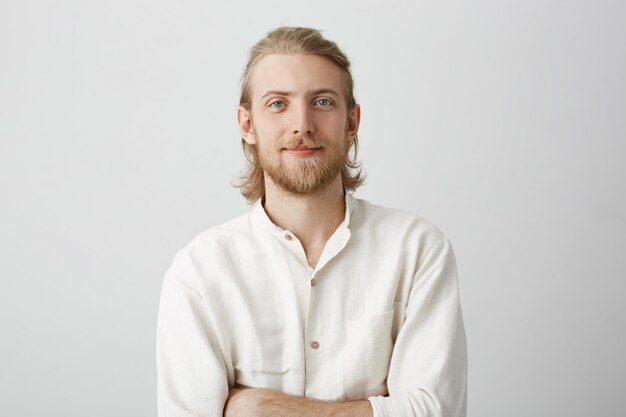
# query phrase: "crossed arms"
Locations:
[[252, 402]]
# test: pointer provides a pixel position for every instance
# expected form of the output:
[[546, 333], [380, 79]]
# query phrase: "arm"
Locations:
[[191, 369], [253, 402], [428, 370]]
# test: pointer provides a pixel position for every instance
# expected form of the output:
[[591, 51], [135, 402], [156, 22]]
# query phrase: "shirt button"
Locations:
[[288, 237], [313, 283], [315, 345]]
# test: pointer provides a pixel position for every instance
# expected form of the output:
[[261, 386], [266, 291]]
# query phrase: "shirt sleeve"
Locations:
[[191, 372], [428, 370]]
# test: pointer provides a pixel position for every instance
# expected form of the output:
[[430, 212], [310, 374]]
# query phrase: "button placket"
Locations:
[[314, 337]]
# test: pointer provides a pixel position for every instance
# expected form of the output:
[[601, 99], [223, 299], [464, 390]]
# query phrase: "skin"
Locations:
[[299, 117], [250, 402], [310, 109]]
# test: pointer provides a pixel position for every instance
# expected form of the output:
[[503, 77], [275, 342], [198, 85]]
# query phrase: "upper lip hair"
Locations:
[[302, 147]]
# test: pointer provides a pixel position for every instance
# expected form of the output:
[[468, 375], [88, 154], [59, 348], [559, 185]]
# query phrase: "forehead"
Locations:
[[295, 73]]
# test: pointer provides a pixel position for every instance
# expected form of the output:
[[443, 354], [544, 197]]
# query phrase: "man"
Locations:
[[315, 303]]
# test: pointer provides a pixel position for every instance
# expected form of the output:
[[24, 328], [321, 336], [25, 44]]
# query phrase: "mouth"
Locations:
[[302, 150]]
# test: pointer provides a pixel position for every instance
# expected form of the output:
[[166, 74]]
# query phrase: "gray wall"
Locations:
[[502, 122]]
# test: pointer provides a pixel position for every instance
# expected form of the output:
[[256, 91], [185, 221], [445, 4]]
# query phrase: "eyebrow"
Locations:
[[310, 92]]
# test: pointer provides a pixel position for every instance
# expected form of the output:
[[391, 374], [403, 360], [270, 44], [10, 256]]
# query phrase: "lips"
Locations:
[[301, 151], [301, 148]]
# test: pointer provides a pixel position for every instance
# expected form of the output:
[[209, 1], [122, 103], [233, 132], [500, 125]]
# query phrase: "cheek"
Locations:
[[269, 130], [333, 125], [267, 146]]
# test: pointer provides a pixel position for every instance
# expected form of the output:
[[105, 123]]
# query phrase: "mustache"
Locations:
[[307, 141]]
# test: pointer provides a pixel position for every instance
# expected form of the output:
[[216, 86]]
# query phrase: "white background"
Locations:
[[501, 122]]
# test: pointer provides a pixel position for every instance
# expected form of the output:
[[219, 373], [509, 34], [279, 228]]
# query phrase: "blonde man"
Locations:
[[315, 303]]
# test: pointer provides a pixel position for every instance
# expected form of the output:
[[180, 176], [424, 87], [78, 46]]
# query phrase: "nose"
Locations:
[[302, 122]]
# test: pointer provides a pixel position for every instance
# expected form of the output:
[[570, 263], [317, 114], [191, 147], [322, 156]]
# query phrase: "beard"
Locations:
[[303, 175]]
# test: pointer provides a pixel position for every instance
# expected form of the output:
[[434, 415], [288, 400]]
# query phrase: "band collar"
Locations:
[[260, 218]]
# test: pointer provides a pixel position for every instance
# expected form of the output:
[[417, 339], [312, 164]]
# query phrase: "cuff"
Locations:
[[389, 407], [410, 404]]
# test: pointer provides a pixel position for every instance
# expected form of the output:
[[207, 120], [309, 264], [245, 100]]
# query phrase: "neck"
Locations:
[[313, 218]]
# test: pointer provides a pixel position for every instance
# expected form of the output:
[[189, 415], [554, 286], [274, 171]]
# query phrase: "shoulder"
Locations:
[[212, 246], [394, 221], [394, 226]]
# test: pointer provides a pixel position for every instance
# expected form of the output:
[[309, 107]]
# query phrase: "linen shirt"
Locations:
[[378, 318]]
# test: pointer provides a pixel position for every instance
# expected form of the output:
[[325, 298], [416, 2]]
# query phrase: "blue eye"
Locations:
[[323, 102], [277, 104]]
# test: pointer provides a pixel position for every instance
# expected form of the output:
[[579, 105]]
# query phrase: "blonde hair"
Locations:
[[290, 41]]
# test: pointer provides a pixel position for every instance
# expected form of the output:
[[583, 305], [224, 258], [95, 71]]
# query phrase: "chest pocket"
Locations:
[[369, 346], [262, 355]]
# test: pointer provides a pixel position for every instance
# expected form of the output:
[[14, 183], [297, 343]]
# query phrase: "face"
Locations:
[[299, 121]]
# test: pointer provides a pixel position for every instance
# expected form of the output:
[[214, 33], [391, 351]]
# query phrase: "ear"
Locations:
[[244, 120], [354, 119]]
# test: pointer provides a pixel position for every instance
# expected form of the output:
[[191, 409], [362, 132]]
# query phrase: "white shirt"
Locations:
[[379, 315]]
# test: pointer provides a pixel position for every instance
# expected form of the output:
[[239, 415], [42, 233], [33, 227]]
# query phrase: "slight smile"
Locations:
[[301, 150]]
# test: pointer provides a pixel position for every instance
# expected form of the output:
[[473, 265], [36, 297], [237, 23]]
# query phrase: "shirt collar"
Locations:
[[260, 218]]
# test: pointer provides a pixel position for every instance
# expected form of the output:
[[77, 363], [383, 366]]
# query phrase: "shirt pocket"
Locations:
[[368, 353], [262, 355]]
